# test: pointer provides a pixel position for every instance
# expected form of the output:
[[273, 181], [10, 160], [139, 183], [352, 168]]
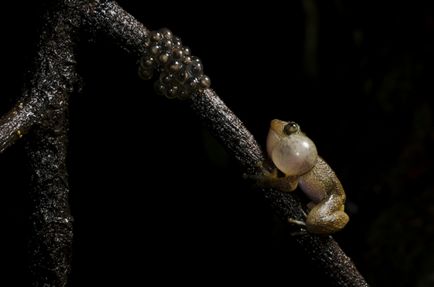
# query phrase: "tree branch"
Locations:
[[53, 80], [42, 111], [18, 120], [43, 108], [132, 36]]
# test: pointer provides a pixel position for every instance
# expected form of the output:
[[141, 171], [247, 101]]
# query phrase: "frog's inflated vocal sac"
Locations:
[[295, 155]]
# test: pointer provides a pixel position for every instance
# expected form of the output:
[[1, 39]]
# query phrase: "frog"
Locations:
[[297, 164]]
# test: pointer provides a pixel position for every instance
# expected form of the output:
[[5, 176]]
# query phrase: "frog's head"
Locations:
[[283, 128], [291, 151]]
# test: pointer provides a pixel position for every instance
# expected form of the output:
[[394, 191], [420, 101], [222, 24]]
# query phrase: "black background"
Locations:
[[156, 198]]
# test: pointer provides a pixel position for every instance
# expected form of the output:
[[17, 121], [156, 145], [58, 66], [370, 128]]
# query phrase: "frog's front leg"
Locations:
[[282, 183], [272, 177]]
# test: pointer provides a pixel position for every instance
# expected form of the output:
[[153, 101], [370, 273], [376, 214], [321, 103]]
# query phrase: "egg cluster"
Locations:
[[180, 73]]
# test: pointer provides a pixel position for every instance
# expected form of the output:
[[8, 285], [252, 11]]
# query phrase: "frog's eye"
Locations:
[[290, 128]]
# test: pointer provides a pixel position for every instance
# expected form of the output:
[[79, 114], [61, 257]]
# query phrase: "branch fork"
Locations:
[[42, 111]]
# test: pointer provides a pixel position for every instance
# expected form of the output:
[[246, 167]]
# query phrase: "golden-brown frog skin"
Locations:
[[295, 155]]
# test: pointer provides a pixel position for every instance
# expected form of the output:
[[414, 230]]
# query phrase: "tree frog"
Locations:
[[298, 164]]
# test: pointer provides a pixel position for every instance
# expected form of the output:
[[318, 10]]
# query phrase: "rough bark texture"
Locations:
[[324, 251], [53, 80], [116, 23], [44, 108], [43, 111]]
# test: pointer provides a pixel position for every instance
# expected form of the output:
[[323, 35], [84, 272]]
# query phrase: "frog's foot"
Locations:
[[301, 232], [297, 222], [272, 177], [265, 176], [301, 224]]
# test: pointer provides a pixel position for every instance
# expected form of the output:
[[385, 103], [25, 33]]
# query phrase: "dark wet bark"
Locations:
[[43, 112]]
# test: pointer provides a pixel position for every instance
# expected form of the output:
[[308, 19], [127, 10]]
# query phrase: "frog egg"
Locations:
[[164, 58], [175, 66], [167, 43], [293, 155], [180, 73], [155, 50], [205, 82], [156, 36], [166, 33], [177, 42], [178, 53], [160, 88], [146, 73]]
